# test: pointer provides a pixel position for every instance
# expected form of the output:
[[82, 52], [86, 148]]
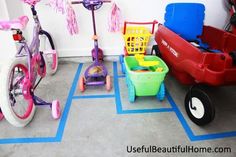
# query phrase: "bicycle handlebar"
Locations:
[[141, 23]]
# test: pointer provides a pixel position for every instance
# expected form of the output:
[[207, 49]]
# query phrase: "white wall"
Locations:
[[7, 45], [111, 43]]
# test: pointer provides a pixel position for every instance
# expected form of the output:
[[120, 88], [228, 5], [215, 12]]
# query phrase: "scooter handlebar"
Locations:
[[80, 2]]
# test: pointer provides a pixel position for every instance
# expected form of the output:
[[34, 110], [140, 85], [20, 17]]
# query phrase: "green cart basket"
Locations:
[[145, 83]]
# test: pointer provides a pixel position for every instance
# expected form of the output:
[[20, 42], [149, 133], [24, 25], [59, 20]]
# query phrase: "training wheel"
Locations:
[[82, 84], [56, 109], [108, 83]]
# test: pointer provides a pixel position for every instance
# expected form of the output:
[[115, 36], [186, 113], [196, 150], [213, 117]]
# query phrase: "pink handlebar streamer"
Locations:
[[114, 19], [31, 2]]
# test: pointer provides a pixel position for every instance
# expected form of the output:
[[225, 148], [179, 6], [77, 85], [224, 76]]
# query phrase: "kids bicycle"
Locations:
[[18, 78]]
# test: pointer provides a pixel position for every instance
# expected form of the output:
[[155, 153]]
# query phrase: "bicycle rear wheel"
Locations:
[[16, 99]]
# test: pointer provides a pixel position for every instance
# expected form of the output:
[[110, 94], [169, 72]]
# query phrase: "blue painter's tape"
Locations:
[[180, 117], [174, 108], [138, 111], [188, 130], [121, 76], [118, 100], [28, 140], [62, 123], [116, 88], [214, 136], [61, 127], [94, 96]]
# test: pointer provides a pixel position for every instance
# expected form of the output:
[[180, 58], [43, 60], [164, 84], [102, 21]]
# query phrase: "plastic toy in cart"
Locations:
[[143, 62], [136, 39]]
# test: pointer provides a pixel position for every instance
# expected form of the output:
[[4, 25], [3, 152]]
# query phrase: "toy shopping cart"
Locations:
[[145, 83], [136, 39]]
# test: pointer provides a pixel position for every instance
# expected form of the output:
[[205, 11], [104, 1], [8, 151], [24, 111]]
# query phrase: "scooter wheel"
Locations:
[[82, 84], [56, 109], [108, 83], [199, 107]]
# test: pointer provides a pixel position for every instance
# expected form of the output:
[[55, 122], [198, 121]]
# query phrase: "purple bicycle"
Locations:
[[96, 74], [21, 76]]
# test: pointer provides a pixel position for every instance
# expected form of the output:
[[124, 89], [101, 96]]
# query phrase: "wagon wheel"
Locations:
[[162, 92], [199, 107], [131, 92], [157, 50]]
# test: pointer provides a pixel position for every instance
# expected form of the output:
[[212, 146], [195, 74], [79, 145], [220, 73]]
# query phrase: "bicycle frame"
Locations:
[[34, 56], [33, 49]]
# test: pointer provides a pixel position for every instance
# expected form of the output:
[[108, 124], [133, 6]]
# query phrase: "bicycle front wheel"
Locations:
[[16, 99]]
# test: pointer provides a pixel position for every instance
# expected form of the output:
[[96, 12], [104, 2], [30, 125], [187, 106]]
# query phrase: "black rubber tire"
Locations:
[[209, 109], [157, 50]]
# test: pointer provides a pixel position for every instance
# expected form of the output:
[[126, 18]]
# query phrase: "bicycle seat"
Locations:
[[31, 2], [19, 23]]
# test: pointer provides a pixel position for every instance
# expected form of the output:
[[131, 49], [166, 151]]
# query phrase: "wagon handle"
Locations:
[[141, 23]]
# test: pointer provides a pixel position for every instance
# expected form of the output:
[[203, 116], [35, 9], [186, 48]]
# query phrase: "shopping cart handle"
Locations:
[[153, 23]]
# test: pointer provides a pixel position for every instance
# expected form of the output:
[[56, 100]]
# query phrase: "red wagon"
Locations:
[[192, 64]]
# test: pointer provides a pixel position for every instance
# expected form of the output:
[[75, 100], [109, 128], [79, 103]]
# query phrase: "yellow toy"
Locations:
[[142, 62], [159, 69]]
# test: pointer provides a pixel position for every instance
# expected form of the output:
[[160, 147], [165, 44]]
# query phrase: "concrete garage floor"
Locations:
[[102, 124]]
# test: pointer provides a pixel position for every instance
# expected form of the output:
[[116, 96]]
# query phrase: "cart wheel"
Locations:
[[201, 111], [126, 80], [162, 92], [108, 83], [1, 115], [82, 84], [123, 68], [121, 58], [56, 109], [131, 92]]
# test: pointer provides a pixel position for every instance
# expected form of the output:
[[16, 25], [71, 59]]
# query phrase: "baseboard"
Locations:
[[85, 52]]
